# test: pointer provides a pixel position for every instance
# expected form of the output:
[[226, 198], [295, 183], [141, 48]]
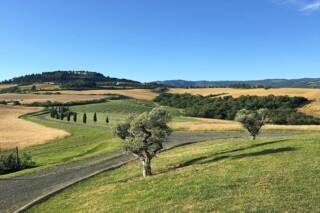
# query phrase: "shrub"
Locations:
[[13, 162]]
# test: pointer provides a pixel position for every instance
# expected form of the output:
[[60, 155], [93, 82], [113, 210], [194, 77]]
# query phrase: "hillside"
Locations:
[[276, 83], [233, 175], [66, 77]]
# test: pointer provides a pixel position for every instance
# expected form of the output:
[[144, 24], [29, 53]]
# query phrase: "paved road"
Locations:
[[17, 192]]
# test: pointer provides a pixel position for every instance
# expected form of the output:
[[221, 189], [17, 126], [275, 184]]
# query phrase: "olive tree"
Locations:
[[144, 134], [252, 120]]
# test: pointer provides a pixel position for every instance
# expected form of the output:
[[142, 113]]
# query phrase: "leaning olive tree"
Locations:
[[253, 120], [144, 134]]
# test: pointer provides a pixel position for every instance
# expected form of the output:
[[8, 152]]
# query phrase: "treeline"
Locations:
[[283, 109], [79, 85], [63, 112], [235, 86]]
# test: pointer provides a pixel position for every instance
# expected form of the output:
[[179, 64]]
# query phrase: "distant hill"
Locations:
[[276, 83], [66, 77]]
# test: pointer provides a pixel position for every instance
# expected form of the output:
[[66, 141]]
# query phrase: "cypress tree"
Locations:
[[75, 117], [95, 117], [84, 118], [52, 113], [107, 120], [57, 115], [62, 116], [69, 116]]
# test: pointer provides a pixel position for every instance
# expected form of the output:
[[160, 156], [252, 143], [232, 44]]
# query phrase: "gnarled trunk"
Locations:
[[146, 167]]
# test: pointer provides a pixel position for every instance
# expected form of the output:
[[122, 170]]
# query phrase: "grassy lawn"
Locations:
[[235, 175], [117, 111]]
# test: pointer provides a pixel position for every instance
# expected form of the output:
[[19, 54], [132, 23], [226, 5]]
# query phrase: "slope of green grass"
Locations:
[[270, 175], [116, 106], [117, 111]]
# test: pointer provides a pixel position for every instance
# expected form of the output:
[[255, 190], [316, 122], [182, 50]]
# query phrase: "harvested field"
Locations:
[[22, 133], [312, 108], [3, 86], [30, 98], [141, 94], [203, 124], [312, 94], [42, 86]]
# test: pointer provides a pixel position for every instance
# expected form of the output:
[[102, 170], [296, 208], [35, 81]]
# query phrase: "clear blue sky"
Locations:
[[150, 40]]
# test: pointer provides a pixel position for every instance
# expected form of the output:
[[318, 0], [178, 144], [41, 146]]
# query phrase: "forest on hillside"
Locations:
[[65, 77]]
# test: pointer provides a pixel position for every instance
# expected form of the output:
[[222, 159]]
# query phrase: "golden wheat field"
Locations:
[[3, 86], [30, 98], [42, 86], [203, 124], [142, 94], [312, 94], [22, 133]]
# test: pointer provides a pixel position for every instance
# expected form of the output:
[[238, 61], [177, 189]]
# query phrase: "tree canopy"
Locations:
[[144, 134], [252, 120]]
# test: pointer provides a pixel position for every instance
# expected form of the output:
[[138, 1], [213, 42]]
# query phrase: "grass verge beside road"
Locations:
[[233, 175], [83, 142]]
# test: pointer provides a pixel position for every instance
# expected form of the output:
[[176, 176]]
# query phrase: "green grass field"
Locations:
[[117, 111], [235, 175]]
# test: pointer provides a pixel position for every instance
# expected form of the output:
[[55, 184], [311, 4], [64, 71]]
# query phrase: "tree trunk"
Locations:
[[146, 167], [253, 137]]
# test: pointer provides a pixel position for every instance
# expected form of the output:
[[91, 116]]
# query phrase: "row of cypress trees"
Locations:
[[95, 118], [60, 114]]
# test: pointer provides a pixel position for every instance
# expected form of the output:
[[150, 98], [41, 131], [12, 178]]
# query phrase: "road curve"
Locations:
[[19, 191]]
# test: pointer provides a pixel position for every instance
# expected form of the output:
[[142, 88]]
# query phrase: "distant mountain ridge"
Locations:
[[65, 77], [276, 83]]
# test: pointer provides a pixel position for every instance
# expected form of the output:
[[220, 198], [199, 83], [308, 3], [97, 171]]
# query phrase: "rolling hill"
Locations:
[[66, 77]]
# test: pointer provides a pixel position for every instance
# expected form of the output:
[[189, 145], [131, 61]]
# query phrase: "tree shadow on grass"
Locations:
[[265, 152], [250, 147], [215, 158]]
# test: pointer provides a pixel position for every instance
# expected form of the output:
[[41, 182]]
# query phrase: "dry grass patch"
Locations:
[[22, 133], [141, 94], [30, 98], [311, 94], [42, 86], [203, 124], [312, 108], [4, 86]]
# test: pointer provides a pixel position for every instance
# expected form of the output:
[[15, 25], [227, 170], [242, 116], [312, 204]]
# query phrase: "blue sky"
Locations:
[[150, 40]]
